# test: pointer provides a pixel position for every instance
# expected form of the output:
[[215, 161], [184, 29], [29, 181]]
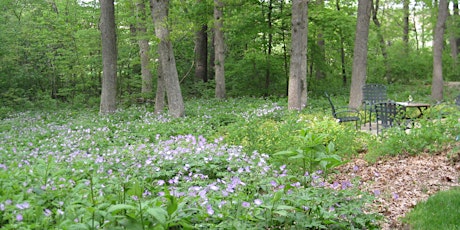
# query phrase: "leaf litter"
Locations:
[[400, 182]]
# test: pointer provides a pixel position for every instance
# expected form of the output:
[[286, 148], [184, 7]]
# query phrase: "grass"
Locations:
[[440, 211]]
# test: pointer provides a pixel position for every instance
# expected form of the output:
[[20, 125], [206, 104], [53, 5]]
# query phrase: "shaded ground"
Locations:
[[400, 182]]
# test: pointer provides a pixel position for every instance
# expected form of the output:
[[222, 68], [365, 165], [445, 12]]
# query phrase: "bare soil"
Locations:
[[400, 182]]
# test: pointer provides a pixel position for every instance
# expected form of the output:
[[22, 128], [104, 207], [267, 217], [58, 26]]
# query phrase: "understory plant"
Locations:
[[74, 170], [315, 154]]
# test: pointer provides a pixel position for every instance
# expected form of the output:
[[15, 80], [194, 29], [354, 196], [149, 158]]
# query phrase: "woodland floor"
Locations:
[[400, 182]]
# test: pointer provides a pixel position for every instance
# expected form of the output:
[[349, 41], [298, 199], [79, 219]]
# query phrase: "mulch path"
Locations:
[[400, 182]]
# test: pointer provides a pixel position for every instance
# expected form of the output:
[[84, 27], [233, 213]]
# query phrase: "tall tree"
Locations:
[[437, 82], [454, 39], [109, 57], [297, 91], [161, 93], [375, 19], [201, 53], [160, 9], [201, 48], [406, 24], [269, 46], [342, 49], [358, 76], [219, 49], [321, 48], [144, 47]]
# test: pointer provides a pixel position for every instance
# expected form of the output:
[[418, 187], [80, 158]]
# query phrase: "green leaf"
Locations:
[[285, 207], [281, 212], [118, 207], [79, 226], [277, 196], [159, 214], [172, 204]]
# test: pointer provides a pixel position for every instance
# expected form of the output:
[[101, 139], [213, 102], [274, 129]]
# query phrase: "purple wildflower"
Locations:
[[19, 217], [245, 204], [209, 210], [47, 212], [257, 202]]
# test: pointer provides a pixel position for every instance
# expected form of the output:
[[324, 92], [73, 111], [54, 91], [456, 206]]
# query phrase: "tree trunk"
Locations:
[[109, 57], [453, 38], [342, 50], [298, 65], [405, 24], [167, 61], [358, 78], [160, 95], [143, 43], [321, 49], [219, 49], [437, 84], [201, 54], [383, 48], [269, 47]]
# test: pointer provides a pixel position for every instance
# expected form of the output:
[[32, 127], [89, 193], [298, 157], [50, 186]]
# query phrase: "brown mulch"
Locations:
[[400, 182]]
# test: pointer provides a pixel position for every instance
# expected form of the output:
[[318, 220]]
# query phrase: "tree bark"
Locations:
[[454, 38], [321, 48], [160, 95], [437, 82], [297, 96], [109, 58], [342, 50], [167, 60], [383, 48], [406, 24], [201, 54], [219, 50], [358, 78], [144, 47]]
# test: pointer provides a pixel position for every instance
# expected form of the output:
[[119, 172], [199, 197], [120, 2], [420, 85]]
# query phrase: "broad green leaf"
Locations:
[[118, 207], [159, 214]]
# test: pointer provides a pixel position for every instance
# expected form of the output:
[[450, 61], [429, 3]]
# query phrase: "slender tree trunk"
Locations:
[[109, 58], [161, 93], [405, 24], [201, 54], [358, 78], [285, 53], [454, 31], [298, 65], [270, 45], [219, 49], [144, 47], [437, 84], [167, 60], [342, 51], [321, 43], [383, 48]]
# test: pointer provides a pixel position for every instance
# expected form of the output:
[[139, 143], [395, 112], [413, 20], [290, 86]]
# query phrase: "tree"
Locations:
[[297, 91], [144, 47], [358, 76], [454, 38], [219, 49], [437, 82], [201, 48], [374, 10], [109, 57], [160, 10]]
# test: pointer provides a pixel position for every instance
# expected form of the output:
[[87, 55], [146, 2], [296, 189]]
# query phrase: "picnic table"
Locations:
[[420, 106]]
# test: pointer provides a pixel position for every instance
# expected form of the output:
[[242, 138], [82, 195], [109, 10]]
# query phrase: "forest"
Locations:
[[211, 114], [51, 50]]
